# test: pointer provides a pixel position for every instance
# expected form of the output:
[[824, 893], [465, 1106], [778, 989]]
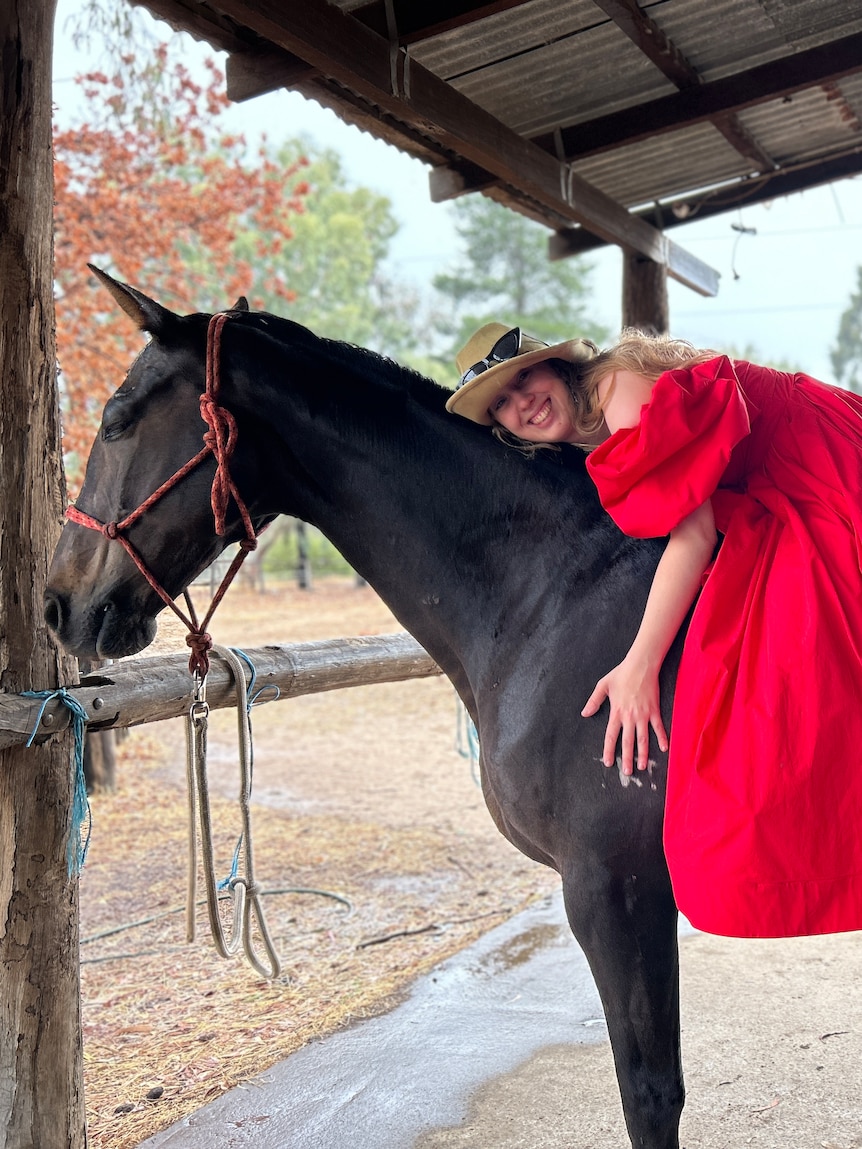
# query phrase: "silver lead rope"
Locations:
[[245, 894]]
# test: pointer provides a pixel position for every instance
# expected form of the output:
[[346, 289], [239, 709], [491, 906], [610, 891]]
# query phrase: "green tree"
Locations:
[[166, 200], [504, 274], [331, 276], [846, 354], [334, 266]]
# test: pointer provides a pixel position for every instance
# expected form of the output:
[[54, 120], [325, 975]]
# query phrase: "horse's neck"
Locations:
[[448, 527]]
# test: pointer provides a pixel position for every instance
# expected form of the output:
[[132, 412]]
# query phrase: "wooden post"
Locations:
[[645, 302], [41, 1090], [304, 574]]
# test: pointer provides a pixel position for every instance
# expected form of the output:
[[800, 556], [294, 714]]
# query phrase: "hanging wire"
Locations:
[[741, 230]]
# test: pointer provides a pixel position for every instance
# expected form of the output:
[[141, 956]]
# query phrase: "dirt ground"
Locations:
[[361, 794]]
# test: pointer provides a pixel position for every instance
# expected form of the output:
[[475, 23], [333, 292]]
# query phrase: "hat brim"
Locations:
[[474, 398]]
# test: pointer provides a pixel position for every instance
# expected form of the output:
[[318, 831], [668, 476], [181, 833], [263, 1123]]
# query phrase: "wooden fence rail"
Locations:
[[151, 689]]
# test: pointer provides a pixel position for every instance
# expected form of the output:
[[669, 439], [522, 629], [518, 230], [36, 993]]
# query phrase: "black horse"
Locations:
[[504, 568]]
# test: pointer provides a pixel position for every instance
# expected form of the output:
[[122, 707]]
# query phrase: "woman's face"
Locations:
[[537, 406]]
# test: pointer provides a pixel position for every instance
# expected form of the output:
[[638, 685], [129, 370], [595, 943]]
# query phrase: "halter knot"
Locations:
[[111, 530], [246, 545], [200, 643], [221, 440]]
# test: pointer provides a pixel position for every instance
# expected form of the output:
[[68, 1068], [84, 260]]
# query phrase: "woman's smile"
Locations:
[[537, 405], [543, 413]]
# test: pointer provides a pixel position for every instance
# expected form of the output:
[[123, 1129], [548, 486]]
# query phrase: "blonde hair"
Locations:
[[637, 351]]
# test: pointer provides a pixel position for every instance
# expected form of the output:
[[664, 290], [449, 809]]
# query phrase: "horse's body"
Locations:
[[503, 567]]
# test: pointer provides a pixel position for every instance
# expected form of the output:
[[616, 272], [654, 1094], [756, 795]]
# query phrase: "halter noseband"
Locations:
[[219, 441]]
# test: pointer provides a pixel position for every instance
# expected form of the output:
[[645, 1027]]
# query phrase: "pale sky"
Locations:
[[795, 275]]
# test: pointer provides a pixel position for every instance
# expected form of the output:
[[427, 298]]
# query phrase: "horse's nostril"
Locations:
[[53, 614]]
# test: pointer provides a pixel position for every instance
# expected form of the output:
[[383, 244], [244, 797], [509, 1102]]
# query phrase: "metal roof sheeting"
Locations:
[[708, 101], [546, 64]]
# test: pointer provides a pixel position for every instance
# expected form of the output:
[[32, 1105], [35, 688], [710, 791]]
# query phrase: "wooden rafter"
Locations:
[[695, 105], [651, 41], [746, 193], [364, 62], [417, 20], [666, 56]]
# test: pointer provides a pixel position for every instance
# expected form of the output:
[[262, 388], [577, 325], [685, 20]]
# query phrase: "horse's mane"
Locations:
[[361, 360]]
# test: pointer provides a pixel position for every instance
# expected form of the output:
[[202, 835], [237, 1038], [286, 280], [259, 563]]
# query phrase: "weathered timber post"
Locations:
[[41, 1091], [645, 302]]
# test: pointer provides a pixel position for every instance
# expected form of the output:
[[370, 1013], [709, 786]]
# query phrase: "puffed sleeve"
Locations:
[[649, 477]]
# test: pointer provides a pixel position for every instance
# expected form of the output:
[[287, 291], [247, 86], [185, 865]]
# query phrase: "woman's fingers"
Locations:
[[629, 723], [628, 747], [612, 733], [596, 699], [643, 744], [660, 733]]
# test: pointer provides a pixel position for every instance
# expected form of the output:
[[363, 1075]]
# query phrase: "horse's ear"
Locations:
[[241, 304], [146, 313]]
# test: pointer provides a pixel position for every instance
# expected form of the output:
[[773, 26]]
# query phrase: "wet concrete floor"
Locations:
[[503, 1047], [384, 1082]]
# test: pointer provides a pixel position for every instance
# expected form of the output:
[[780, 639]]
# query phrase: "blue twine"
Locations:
[[76, 849], [467, 741], [234, 868], [253, 698]]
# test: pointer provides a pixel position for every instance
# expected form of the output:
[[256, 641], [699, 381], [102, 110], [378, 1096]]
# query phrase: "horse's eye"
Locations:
[[113, 430]]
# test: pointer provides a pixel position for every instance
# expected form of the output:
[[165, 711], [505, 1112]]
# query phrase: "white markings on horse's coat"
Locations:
[[635, 779]]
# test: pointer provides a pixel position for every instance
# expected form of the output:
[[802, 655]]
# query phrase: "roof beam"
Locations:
[[664, 54], [342, 48], [651, 40], [199, 22], [745, 193], [250, 74], [417, 20], [709, 100]]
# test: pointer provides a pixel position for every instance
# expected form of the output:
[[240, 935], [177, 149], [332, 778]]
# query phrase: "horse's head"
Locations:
[[97, 602]]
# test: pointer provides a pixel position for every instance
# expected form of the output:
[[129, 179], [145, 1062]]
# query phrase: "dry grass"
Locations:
[[363, 795]]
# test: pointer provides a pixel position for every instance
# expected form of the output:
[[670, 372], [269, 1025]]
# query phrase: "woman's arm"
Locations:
[[632, 687]]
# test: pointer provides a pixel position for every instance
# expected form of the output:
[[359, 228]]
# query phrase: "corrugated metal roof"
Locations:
[[653, 170], [729, 36], [562, 83], [506, 35], [649, 104], [545, 65], [807, 124]]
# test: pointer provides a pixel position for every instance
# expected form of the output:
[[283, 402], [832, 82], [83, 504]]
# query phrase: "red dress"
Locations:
[[763, 823]]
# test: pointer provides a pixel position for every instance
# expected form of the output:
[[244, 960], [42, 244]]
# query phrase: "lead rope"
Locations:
[[244, 889]]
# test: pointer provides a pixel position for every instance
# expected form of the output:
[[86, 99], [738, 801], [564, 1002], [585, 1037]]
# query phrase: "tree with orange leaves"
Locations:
[[160, 196]]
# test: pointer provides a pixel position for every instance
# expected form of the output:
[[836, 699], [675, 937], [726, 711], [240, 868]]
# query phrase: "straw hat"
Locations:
[[493, 357]]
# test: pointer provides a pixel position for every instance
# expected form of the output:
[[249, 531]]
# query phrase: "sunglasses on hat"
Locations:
[[506, 347]]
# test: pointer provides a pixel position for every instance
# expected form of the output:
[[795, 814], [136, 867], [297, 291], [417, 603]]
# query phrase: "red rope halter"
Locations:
[[220, 441]]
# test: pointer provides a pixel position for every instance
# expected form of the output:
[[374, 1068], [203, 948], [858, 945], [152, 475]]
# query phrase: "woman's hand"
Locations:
[[633, 692], [632, 687]]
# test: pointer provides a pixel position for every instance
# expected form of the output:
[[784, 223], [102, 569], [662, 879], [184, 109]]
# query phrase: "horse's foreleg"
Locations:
[[627, 929]]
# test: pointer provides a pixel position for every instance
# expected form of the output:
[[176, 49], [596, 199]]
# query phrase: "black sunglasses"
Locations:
[[506, 347]]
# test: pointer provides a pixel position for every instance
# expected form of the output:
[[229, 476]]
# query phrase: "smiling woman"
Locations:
[[685, 443], [495, 356], [538, 403]]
